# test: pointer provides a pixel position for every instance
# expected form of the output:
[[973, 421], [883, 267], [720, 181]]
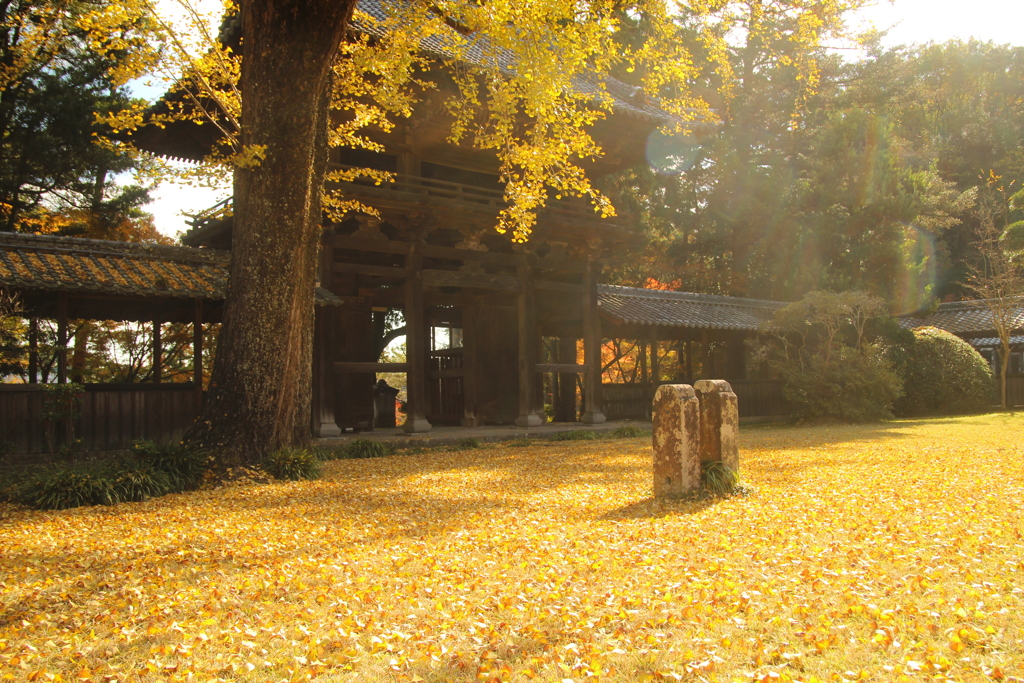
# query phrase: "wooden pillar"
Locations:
[[593, 408], [648, 392], [527, 329], [416, 344], [33, 351], [679, 363], [198, 353], [655, 362], [325, 342], [706, 371], [565, 403], [737, 358], [158, 353], [470, 378], [689, 362], [62, 338]]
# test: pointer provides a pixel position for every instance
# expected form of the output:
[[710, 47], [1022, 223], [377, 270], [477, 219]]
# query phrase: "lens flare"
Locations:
[[915, 280], [671, 153]]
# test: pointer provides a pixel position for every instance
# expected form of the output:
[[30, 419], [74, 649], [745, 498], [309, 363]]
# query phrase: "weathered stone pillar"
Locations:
[[676, 440], [719, 422]]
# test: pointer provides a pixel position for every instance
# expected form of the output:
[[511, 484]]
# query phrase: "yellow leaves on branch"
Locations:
[[876, 553]]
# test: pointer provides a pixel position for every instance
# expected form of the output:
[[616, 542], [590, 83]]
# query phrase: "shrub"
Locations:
[[716, 477], [943, 375], [628, 432], [466, 444], [59, 487], [575, 435], [853, 386], [325, 453], [183, 465], [132, 480], [365, 448], [292, 464]]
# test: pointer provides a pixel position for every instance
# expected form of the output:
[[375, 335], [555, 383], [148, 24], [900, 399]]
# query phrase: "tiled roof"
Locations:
[[630, 305], [964, 318], [71, 264], [625, 99], [991, 342]]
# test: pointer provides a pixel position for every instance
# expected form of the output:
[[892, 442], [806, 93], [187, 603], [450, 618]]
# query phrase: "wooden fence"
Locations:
[[111, 416], [757, 398]]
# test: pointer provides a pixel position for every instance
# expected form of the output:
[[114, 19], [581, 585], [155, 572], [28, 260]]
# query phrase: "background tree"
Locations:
[[997, 278], [61, 64]]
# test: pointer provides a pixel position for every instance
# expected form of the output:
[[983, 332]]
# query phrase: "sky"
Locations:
[[907, 21]]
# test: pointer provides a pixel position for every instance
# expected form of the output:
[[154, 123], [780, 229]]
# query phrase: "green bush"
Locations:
[[59, 487], [292, 464], [853, 386], [183, 465], [325, 453], [575, 435], [943, 375], [365, 448], [716, 477], [466, 444], [132, 480], [629, 432]]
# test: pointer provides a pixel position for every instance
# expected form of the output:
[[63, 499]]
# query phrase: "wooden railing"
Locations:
[[111, 416], [757, 398]]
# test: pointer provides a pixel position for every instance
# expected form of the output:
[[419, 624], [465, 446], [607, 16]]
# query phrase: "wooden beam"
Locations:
[[446, 374], [550, 286], [158, 354], [415, 344], [197, 354], [359, 366], [457, 278], [569, 368], [470, 365], [378, 246], [527, 332], [366, 269], [33, 351], [593, 410], [62, 338]]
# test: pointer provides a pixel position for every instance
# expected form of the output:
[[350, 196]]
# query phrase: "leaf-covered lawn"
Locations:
[[868, 552]]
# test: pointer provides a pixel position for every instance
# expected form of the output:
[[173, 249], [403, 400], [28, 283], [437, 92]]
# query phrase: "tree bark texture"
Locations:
[[260, 390]]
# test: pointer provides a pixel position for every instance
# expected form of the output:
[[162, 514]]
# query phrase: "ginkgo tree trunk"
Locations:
[[260, 389]]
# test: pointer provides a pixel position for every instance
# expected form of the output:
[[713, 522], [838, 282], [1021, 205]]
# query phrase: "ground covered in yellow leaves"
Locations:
[[874, 552]]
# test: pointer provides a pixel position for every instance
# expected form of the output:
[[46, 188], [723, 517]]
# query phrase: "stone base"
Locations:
[[529, 420], [594, 418], [416, 425], [326, 430]]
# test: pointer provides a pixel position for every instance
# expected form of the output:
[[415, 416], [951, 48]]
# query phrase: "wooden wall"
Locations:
[[112, 416]]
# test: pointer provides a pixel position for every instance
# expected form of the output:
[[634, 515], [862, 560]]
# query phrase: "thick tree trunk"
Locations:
[[259, 397]]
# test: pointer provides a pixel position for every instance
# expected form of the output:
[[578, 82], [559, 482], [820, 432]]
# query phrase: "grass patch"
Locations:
[[575, 435], [365, 448], [630, 432], [293, 464], [547, 563]]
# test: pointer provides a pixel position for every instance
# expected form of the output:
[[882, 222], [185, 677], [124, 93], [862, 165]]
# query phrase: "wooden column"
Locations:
[[736, 368], [565, 405], [527, 331], [325, 342], [655, 362], [62, 338], [416, 344], [689, 363], [158, 353], [593, 408], [33, 351], [470, 363], [648, 392], [197, 353]]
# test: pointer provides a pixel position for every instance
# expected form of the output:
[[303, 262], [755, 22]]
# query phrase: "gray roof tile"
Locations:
[[634, 306]]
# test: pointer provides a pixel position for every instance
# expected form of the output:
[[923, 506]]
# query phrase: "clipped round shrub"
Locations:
[[716, 477], [365, 448], [60, 487], [292, 464], [851, 386], [944, 375]]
